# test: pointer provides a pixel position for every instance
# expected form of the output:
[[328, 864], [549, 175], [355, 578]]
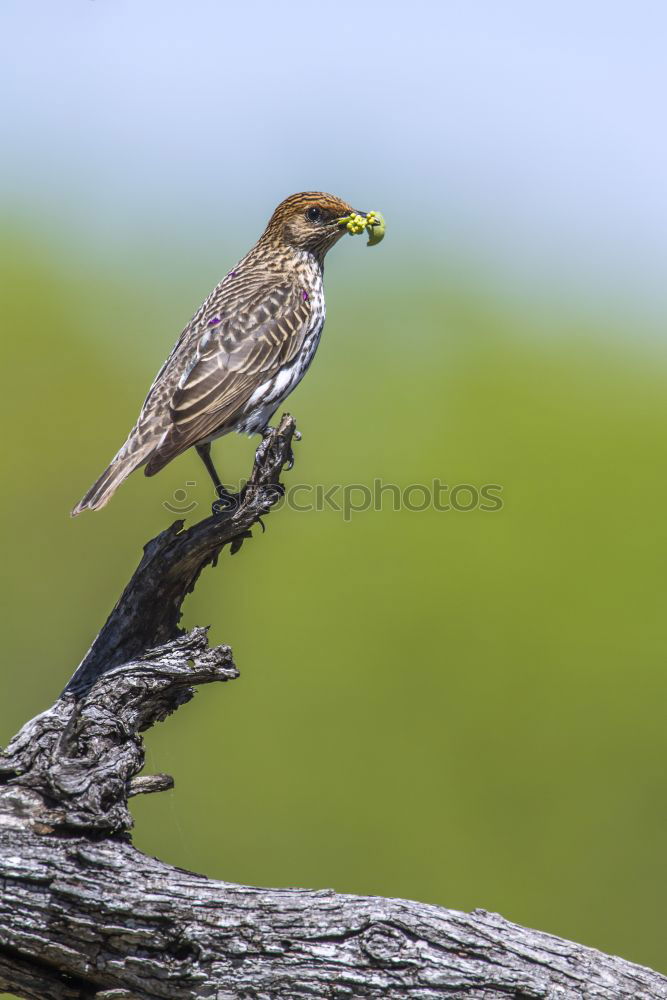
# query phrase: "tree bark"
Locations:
[[84, 914]]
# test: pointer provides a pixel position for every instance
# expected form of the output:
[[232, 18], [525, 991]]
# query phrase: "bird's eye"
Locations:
[[313, 214]]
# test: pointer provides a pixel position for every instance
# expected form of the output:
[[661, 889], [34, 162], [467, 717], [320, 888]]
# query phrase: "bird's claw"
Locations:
[[260, 452], [226, 503], [274, 492], [289, 464], [264, 444]]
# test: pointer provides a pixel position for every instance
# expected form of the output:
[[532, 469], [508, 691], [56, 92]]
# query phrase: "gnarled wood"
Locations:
[[74, 766], [149, 609], [85, 915], [80, 919]]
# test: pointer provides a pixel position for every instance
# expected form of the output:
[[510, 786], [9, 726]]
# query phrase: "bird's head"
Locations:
[[309, 221]]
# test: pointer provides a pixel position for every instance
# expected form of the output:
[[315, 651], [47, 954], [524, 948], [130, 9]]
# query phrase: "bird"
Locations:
[[245, 349]]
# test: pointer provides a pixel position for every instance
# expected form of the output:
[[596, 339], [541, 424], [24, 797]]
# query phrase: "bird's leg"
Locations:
[[226, 500]]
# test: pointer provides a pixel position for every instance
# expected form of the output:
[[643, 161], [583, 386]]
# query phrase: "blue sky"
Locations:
[[529, 137]]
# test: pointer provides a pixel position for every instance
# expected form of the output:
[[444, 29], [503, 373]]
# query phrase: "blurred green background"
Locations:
[[465, 708]]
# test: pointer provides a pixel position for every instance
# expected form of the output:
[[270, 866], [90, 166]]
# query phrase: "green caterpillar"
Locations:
[[374, 223]]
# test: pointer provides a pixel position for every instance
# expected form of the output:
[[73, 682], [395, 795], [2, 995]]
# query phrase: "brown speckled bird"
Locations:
[[243, 352]]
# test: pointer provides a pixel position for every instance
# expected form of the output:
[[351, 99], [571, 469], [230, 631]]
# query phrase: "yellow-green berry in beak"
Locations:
[[374, 223], [353, 223]]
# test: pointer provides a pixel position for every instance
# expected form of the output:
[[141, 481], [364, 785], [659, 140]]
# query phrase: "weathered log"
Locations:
[[85, 919]]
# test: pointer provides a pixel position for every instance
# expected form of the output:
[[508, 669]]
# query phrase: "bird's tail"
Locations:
[[101, 491]]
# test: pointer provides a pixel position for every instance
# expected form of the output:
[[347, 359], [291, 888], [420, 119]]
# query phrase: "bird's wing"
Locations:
[[240, 348]]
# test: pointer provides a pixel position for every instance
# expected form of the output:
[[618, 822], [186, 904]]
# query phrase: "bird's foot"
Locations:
[[276, 491], [226, 503], [263, 446], [290, 454], [260, 453]]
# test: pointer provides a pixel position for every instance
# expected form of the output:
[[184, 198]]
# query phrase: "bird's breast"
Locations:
[[268, 396]]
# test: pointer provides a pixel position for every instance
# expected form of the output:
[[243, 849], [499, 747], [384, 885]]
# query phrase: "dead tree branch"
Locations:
[[85, 915]]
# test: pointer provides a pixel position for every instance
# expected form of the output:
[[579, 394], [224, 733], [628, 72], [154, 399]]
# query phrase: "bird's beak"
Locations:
[[373, 222]]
